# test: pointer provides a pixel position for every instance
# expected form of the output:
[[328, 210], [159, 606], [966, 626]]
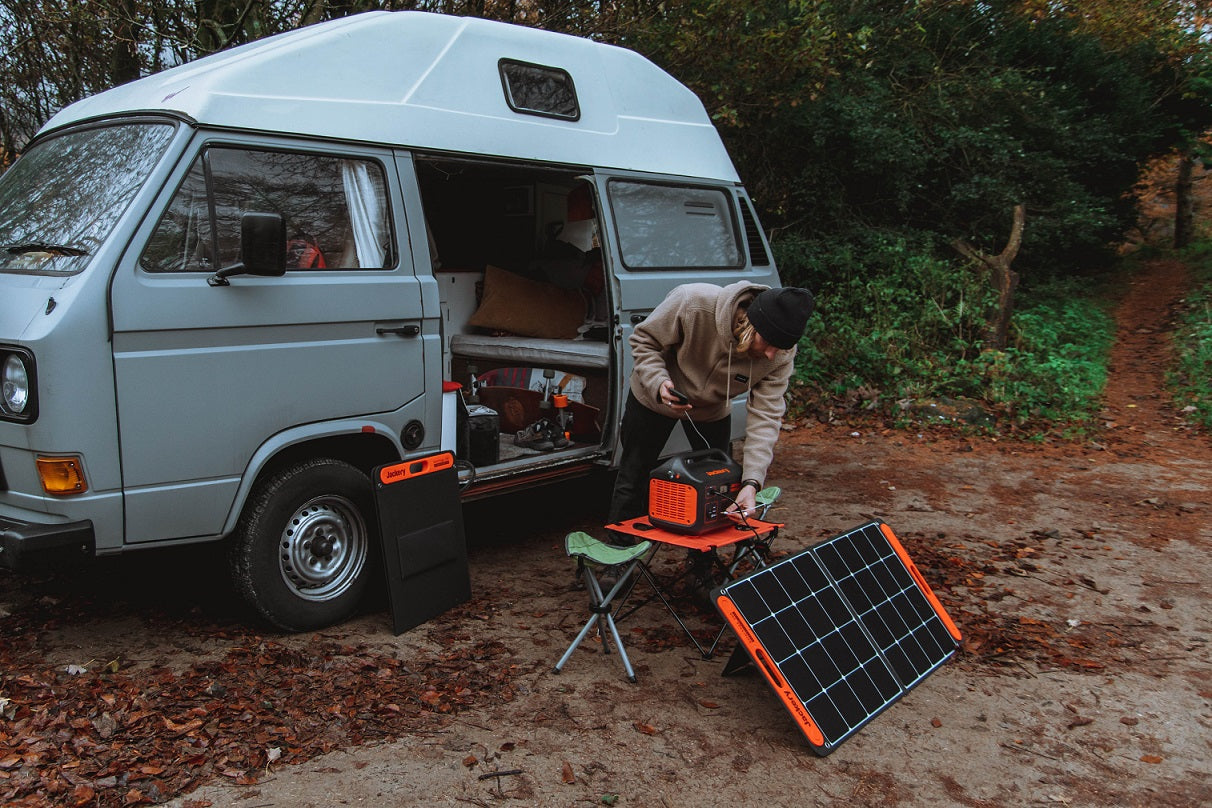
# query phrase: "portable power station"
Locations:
[[689, 492]]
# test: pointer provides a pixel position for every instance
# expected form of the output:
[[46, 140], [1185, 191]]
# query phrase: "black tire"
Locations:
[[303, 550]]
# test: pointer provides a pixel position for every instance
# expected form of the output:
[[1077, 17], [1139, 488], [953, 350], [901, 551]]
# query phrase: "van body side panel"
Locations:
[[206, 375]]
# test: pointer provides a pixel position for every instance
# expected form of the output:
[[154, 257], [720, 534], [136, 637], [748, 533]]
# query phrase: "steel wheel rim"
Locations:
[[323, 548]]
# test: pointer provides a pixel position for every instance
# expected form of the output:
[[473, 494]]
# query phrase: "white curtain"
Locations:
[[366, 217]]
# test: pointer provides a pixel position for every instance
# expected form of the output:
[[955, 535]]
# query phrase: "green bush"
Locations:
[[897, 323], [1190, 376], [1056, 368]]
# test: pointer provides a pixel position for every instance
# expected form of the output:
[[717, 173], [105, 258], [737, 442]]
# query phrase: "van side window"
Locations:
[[335, 209], [674, 227]]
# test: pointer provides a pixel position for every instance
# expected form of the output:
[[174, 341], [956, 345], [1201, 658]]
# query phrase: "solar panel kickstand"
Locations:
[[737, 662]]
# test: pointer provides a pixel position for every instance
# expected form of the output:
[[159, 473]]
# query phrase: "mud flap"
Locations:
[[424, 549]]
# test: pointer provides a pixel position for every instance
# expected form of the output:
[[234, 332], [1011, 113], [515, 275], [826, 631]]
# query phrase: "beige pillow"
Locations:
[[528, 308]]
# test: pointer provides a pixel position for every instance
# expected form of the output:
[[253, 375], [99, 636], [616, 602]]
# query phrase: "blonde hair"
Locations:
[[743, 331]]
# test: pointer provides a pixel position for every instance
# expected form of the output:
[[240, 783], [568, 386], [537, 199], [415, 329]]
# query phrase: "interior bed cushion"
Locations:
[[532, 351]]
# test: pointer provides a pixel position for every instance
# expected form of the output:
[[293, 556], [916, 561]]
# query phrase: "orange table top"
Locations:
[[641, 527]]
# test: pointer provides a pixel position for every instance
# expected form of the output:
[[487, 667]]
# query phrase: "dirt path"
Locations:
[[1139, 416], [1077, 572]]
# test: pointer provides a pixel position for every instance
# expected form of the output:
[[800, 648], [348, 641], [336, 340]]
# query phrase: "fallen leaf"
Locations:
[[470, 761], [710, 705], [1151, 758], [647, 729], [1080, 722], [566, 773], [181, 729], [936, 722]]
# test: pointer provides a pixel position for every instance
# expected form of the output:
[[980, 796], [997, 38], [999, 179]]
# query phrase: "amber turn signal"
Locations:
[[61, 476]]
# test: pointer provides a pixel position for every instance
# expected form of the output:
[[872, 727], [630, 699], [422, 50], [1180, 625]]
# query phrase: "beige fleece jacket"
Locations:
[[688, 339]]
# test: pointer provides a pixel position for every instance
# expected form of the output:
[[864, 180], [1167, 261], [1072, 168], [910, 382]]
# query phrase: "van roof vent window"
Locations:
[[757, 251], [538, 90]]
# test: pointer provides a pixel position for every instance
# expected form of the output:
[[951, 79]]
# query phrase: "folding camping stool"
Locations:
[[592, 554]]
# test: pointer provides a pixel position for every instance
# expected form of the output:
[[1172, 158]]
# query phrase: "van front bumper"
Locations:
[[22, 543]]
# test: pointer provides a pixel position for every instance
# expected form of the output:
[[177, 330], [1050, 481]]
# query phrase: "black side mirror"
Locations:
[[262, 248]]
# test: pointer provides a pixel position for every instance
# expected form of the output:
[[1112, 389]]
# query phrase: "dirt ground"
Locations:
[[1077, 571]]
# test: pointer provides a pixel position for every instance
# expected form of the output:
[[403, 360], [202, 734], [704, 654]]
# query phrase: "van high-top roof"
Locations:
[[436, 82]]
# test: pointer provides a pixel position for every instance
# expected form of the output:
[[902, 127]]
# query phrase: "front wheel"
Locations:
[[303, 544]]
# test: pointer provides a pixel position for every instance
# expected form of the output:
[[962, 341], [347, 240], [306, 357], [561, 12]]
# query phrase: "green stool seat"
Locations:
[[765, 498], [581, 545]]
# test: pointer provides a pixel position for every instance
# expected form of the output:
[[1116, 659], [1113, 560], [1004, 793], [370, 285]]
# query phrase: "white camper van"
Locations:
[[230, 290]]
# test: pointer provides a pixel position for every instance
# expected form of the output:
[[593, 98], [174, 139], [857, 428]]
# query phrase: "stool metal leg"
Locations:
[[602, 611]]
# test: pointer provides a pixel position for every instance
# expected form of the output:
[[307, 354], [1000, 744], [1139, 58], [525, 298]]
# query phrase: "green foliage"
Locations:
[[1057, 366], [891, 317], [896, 325], [942, 116], [1190, 379]]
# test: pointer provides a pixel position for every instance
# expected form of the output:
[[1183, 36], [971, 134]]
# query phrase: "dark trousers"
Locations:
[[643, 435]]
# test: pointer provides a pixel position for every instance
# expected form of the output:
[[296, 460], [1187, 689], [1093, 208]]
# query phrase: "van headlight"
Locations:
[[17, 399]]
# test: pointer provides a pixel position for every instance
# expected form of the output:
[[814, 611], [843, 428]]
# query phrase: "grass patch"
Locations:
[[1189, 378]]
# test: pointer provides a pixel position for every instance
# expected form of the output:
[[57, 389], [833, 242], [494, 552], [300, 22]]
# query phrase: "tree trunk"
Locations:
[[124, 59], [1184, 202], [1005, 279]]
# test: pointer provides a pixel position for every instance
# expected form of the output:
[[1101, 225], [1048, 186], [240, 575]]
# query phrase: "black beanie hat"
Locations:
[[780, 315]]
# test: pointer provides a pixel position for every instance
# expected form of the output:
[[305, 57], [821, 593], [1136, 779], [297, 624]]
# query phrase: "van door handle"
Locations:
[[636, 319], [400, 331]]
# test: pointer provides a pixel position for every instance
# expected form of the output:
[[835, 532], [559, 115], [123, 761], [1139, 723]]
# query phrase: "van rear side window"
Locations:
[[336, 211], [674, 227]]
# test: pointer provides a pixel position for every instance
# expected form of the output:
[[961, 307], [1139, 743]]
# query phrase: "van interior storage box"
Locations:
[[483, 430]]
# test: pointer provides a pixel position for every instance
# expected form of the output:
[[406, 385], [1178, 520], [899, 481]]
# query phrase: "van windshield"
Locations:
[[61, 200]]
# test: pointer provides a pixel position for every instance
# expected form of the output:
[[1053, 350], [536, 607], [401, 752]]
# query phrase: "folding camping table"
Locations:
[[749, 539]]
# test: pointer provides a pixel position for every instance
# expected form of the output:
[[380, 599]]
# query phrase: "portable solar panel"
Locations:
[[841, 630], [424, 550]]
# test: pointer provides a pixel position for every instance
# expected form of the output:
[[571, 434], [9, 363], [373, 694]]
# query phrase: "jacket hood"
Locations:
[[732, 296]]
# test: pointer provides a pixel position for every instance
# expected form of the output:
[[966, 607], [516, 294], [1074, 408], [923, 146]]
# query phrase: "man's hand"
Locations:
[[746, 501], [671, 401]]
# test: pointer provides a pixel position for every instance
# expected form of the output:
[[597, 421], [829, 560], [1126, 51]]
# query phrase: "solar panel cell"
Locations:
[[773, 594], [777, 643], [827, 716]]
